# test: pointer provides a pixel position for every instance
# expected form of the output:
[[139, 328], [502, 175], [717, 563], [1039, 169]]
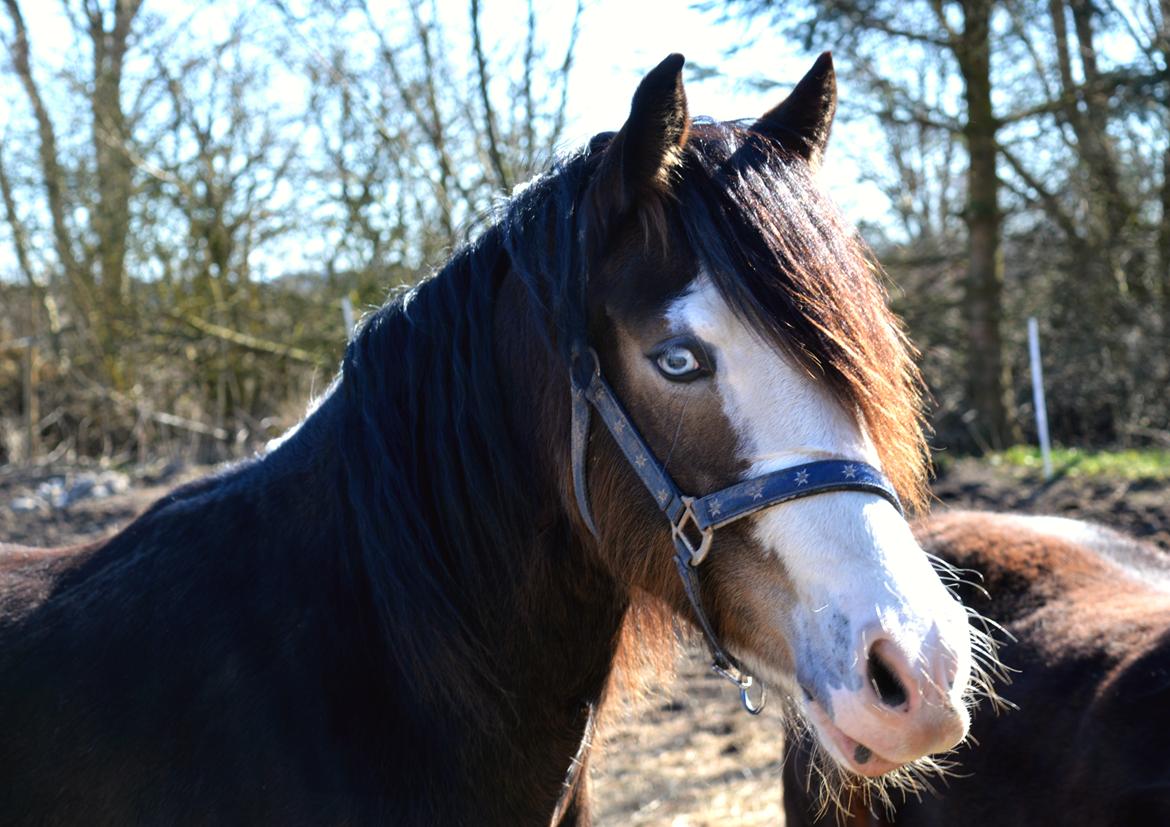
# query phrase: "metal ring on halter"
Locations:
[[745, 683], [746, 699], [678, 529]]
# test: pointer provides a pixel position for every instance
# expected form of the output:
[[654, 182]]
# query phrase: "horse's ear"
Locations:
[[641, 156], [802, 121]]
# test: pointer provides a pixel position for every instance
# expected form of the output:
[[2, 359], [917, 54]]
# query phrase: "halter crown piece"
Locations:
[[693, 520]]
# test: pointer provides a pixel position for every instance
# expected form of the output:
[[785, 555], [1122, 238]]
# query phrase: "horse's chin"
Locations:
[[849, 754], [841, 749]]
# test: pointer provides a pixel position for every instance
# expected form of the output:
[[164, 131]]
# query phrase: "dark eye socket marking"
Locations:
[[682, 359]]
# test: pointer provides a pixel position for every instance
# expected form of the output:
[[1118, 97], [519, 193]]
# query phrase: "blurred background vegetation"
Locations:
[[1026, 164], [186, 208]]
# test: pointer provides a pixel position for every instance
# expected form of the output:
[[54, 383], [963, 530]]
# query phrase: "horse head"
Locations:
[[743, 332]]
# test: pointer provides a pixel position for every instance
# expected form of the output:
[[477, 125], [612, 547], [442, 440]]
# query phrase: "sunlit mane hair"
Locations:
[[781, 255], [431, 467]]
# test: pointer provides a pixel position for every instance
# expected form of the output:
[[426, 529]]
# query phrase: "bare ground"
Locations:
[[687, 755]]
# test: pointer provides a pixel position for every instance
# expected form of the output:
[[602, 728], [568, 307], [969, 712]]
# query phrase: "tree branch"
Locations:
[[1049, 201], [488, 111], [248, 341], [566, 66]]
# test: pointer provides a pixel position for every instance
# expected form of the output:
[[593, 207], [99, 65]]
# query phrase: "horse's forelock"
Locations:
[[783, 258]]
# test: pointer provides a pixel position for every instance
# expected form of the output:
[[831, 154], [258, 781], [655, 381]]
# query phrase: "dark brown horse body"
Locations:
[[1089, 610], [398, 614], [171, 677]]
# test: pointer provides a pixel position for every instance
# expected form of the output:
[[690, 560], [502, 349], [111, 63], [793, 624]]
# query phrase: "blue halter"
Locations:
[[693, 520]]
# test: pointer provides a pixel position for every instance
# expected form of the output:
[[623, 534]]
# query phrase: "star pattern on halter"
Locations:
[[640, 460], [756, 490], [801, 477], [663, 495], [716, 507], [849, 472]]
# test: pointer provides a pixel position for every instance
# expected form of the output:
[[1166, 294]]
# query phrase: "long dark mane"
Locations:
[[441, 493]]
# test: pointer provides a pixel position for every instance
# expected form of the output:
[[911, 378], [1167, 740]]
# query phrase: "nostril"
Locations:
[[884, 680]]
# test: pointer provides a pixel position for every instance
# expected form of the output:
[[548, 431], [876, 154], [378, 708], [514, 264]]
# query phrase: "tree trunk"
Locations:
[[1162, 43], [1164, 239], [77, 278], [114, 168], [1086, 110], [987, 372], [32, 413]]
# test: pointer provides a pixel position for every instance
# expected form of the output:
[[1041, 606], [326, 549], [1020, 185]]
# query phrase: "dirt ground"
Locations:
[[687, 755]]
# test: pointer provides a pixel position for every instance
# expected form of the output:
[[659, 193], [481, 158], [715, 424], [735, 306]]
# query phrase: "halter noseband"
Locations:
[[693, 520]]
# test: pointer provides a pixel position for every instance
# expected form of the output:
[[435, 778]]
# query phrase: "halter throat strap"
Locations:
[[693, 520]]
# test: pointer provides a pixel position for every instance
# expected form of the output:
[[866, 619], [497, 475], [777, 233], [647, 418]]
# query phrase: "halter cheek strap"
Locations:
[[693, 520]]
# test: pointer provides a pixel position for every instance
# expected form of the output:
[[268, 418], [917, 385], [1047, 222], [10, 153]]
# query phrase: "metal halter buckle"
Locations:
[[687, 520]]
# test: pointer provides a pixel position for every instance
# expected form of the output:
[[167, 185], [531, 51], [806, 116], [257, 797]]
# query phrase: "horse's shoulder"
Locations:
[[1142, 680], [1120, 732]]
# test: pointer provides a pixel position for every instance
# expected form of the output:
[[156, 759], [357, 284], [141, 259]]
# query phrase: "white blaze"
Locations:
[[850, 556]]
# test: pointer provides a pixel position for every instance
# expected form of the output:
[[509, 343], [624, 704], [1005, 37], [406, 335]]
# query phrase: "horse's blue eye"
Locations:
[[678, 361]]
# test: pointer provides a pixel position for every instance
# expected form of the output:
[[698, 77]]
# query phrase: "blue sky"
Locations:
[[620, 40]]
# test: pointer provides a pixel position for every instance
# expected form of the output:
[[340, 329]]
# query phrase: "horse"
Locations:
[[1078, 740], [411, 608]]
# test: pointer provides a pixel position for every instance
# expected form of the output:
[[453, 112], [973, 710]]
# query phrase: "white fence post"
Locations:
[[1038, 395], [347, 316]]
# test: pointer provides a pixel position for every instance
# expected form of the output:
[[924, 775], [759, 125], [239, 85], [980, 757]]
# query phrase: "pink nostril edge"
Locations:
[[888, 673]]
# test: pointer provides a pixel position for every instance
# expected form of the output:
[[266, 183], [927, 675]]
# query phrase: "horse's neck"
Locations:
[[561, 654], [544, 622], [555, 633], [553, 636]]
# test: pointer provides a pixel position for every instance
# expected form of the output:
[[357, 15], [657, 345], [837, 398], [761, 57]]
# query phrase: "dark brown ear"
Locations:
[[802, 121], [640, 157]]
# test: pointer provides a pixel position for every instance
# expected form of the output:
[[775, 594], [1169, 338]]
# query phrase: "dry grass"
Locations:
[[689, 755]]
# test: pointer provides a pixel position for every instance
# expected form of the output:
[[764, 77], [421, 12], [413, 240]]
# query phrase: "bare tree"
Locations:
[[1061, 182], [184, 215], [91, 257], [456, 136]]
